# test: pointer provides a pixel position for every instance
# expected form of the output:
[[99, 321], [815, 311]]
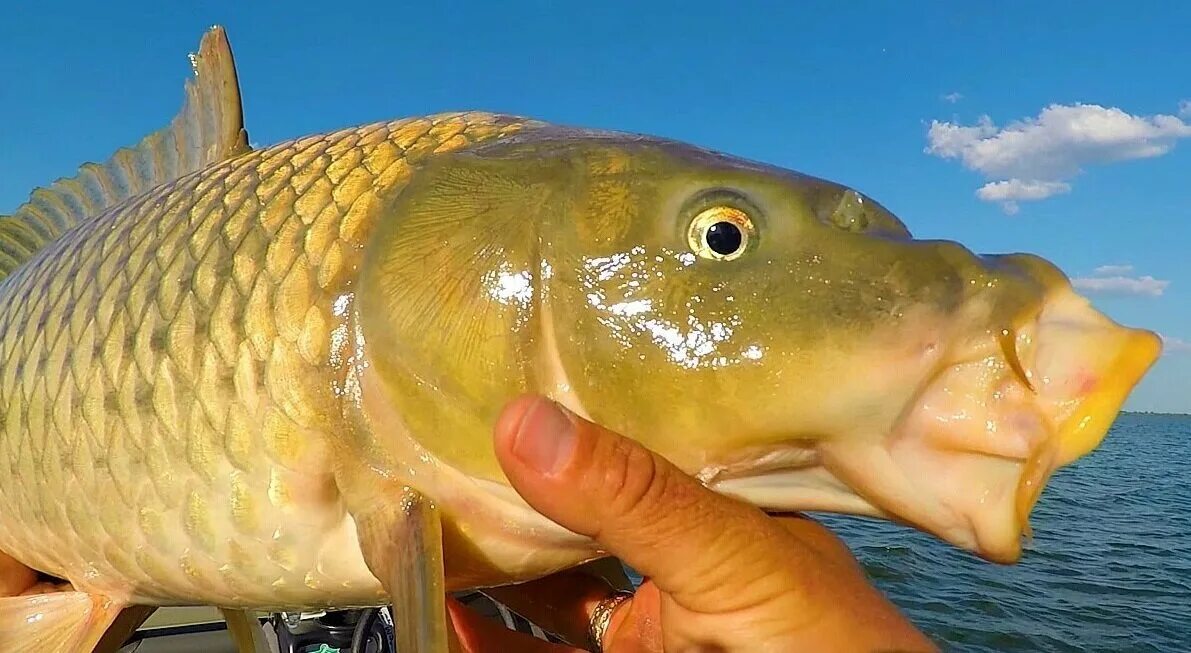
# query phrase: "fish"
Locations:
[[265, 378]]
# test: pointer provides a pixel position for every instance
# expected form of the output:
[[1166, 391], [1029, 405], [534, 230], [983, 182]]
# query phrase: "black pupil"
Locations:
[[724, 238]]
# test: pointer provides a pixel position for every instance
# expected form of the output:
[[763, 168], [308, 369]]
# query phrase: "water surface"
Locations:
[[1109, 568]]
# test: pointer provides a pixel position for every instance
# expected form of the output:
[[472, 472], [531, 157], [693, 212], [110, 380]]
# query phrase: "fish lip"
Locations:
[[1031, 450], [1082, 430], [1040, 445], [788, 454], [1087, 423], [1087, 426]]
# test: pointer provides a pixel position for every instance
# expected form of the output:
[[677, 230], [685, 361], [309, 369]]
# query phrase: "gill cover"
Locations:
[[449, 295]]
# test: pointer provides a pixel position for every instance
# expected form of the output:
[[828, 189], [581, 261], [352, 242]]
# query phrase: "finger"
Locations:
[[636, 625], [475, 634], [729, 569], [694, 543], [820, 538], [561, 603], [564, 603]]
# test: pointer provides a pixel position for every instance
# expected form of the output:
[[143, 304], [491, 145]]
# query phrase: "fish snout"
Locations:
[[1083, 366], [1035, 268], [985, 435]]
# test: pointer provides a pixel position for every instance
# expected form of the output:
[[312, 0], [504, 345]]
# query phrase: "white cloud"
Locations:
[[1185, 108], [1113, 280], [1010, 191], [1010, 208], [1016, 189], [1175, 345], [1034, 157], [1058, 143], [949, 140], [953, 97], [1121, 285]]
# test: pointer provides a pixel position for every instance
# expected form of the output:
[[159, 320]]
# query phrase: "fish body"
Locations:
[[169, 380], [266, 378]]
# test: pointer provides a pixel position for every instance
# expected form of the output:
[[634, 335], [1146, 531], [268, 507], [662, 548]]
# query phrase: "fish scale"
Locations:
[[167, 379]]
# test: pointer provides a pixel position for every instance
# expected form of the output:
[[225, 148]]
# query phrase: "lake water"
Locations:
[[1109, 568]]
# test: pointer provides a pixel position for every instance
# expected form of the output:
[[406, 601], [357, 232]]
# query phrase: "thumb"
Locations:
[[696, 545]]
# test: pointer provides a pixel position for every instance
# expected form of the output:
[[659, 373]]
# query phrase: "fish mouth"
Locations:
[[1087, 365], [970, 456]]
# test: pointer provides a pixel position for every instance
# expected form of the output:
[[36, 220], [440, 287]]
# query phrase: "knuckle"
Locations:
[[640, 482], [630, 481]]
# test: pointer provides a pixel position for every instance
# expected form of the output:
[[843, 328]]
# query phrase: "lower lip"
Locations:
[[1086, 383]]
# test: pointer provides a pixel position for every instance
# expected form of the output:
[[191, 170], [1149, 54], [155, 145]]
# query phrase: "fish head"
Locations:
[[783, 338], [788, 341]]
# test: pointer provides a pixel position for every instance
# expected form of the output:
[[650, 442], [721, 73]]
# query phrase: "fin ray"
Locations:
[[246, 631], [209, 128], [402, 545], [67, 622]]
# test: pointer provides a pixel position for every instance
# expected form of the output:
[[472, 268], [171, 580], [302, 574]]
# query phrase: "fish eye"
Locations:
[[720, 233]]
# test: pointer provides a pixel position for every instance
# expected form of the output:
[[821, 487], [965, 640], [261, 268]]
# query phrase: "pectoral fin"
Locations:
[[402, 545], [67, 622], [245, 631]]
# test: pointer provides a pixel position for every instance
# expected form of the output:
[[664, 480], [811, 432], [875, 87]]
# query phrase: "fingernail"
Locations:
[[545, 438]]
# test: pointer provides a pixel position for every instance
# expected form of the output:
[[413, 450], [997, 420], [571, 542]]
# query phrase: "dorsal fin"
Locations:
[[209, 128]]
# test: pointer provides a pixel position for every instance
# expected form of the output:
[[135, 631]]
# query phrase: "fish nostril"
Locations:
[[853, 212]]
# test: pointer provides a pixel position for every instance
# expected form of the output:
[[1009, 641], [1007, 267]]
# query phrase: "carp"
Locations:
[[266, 378]]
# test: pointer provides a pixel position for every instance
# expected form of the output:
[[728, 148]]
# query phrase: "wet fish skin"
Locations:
[[167, 383]]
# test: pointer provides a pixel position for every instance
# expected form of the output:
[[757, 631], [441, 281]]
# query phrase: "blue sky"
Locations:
[[921, 105]]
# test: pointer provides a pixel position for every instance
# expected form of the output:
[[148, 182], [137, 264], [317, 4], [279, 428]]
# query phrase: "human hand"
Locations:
[[721, 575]]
